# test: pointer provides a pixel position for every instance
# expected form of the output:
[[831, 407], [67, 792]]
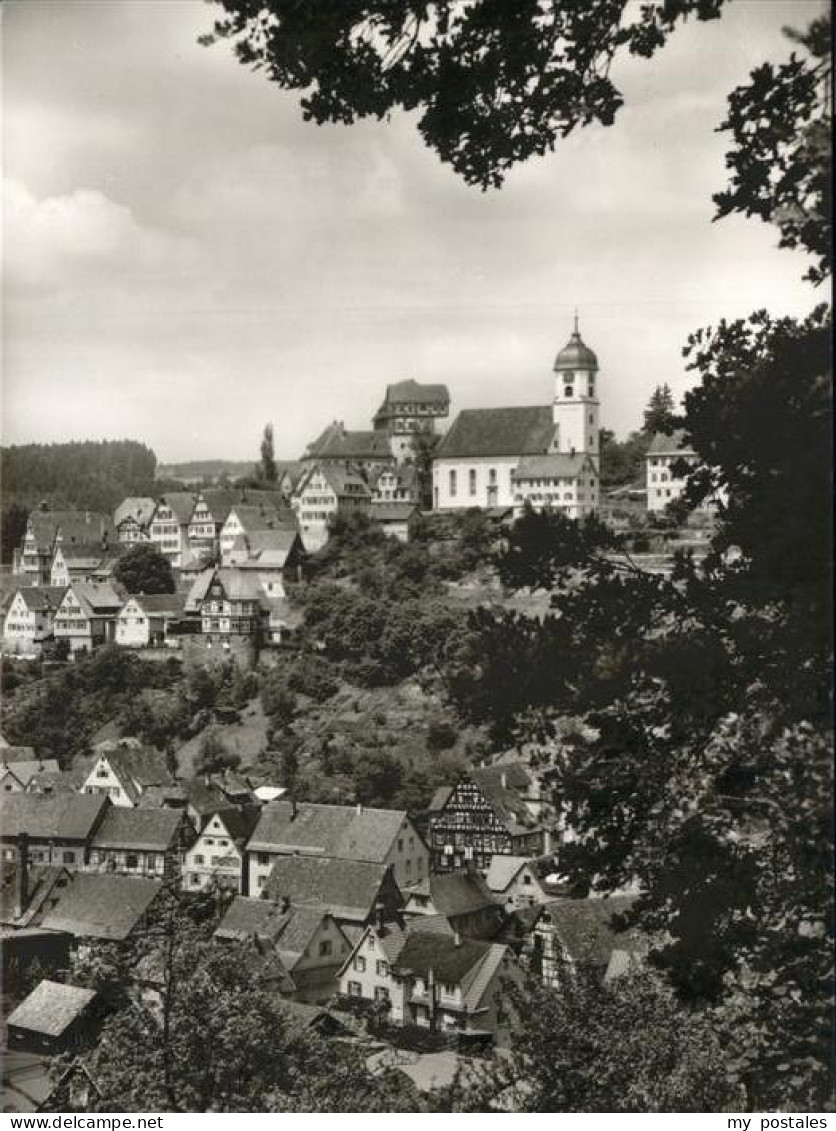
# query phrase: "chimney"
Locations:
[[380, 914], [457, 939], [22, 892]]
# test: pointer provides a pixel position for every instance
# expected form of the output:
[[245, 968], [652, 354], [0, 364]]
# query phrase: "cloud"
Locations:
[[84, 239]]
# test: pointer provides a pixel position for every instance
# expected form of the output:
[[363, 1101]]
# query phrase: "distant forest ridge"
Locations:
[[89, 474], [209, 469]]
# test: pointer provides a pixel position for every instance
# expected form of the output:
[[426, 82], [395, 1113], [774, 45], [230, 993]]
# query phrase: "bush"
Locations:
[[440, 736], [313, 676]]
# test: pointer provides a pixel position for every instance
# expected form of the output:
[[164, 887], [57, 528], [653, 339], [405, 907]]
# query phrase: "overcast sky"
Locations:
[[186, 259]]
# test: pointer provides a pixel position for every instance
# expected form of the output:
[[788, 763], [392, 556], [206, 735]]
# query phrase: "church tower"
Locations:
[[575, 409]]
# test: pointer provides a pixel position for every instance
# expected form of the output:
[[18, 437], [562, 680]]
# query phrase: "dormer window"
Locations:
[[567, 391]]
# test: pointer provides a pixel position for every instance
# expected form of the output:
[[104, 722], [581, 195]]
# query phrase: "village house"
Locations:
[[396, 520], [475, 464], [361, 451], [519, 881], [28, 891], [394, 484], [211, 510], [102, 907], [559, 482], [54, 1018], [492, 809], [341, 832], [16, 773], [124, 770], [433, 979], [145, 619], [50, 830], [46, 529], [353, 891], [79, 562], [218, 854], [578, 935], [410, 407], [132, 519], [86, 615], [30, 618], [229, 602], [324, 491], [140, 842], [271, 555], [169, 529], [310, 943], [668, 462], [258, 510], [462, 899]]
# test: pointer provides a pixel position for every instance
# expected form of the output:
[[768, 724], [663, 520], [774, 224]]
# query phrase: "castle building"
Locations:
[[547, 455], [409, 407]]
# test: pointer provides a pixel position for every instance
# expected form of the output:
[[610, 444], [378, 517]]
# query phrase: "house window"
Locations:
[[101, 772], [264, 858], [382, 968], [355, 989], [400, 844], [452, 484], [360, 964], [381, 993], [68, 857], [526, 878], [199, 860], [324, 948], [448, 990], [472, 480], [131, 860], [194, 879], [567, 391]]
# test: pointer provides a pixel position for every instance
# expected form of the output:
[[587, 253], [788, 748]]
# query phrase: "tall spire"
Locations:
[[577, 331]]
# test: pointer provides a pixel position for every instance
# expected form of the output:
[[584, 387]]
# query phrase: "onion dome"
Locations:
[[575, 354]]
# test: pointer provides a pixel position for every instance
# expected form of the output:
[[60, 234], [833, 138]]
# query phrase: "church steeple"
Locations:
[[575, 409]]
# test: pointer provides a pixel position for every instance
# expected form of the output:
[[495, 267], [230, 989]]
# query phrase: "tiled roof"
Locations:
[[424, 951], [57, 781], [585, 929], [343, 482], [238, 824], [70, 816], [342, 831], [413, 392], [459, 893], [498, 432], [503, 869], [51, 1008], [42, 598], [392, 512], [347, 888], [503, 786], [265, 515], [477, 980], [153, 830], [337, 443], [204, 799], [102, 906], [97, 597], [43, 881], [24, 771], [555, 465], [181, 503], [144, 764], [669, 445], [73, 526], [220, 503], [290, 930], [139, 507], [172, 603]]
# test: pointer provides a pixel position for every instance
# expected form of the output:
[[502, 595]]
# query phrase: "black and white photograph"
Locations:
[[416, 621]]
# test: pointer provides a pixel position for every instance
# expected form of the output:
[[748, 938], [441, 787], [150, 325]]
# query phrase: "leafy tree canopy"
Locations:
[[143, 569]]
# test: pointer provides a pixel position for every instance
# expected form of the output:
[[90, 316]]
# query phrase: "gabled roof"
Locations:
[[413, 392], [204, 799], [57, 781], [555, 465], [24, 771], [338, 443], [344, 482], [670, 445], [65, 816], [51, 1008], [41, 598], [584, 927], [289, 930], [392, 512], [160, 603], [269, 546], [504, 786], [503, 870], [450, 962], [220, 503], [498, 432], [180, 502], [143, 764], [72, 526], [151, 830], [97, 598], [102, 906], [138, 507], [459, 893], [43, 882], [238, 824], [342, 831], [347, 888], [272, 514]]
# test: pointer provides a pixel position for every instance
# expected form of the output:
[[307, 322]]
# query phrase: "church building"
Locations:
[[547, 455]]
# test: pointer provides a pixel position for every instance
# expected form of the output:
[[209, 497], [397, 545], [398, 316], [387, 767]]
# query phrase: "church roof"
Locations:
[[576, 354], [514, 431], [335, 443], [555, 465]]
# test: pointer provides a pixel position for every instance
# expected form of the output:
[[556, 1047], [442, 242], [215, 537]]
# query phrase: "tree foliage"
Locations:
[[143, 569], [94, 474], [267, 467], [493, 83]]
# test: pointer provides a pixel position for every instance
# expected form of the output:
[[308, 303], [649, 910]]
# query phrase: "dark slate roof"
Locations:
[[459, 893], [670, 445], [584, 927], [98, 597], [503, 785], [392, 512], [239, 824], [335, 443], [161, 602], [347, 888], [144, 764], [413, 392], [73, 526], [290, 930], [64, 816], [498, 432], [342, 831], [102, 906], [41, 598], [220, 503], [51, 1008], [138, 507], [24, 769], [424, 951], [204, 799], [181, 503], [153, 830]]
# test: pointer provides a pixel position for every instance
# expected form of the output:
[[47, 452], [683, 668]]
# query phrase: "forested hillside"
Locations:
[[88, 474]]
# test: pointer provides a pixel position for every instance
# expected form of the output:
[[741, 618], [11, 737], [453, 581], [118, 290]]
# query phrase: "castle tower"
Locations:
[[575, 409]]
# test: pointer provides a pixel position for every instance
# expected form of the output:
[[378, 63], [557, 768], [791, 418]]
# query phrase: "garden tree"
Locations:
[[440, 736], [13, 530], [622, 461], [626, 1046], [377, 779], [143, 569], [278, 701], [422, 445], [214, 756], [493, 83], [660, 415], [267, 467]]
